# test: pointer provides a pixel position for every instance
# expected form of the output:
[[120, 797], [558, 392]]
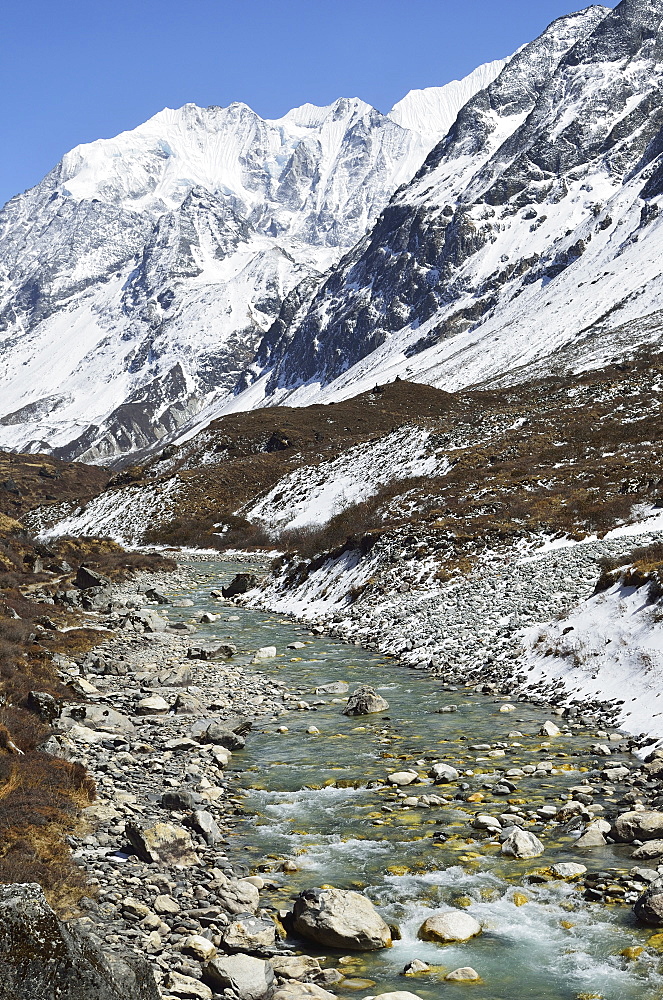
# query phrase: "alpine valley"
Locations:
[[384, 391]]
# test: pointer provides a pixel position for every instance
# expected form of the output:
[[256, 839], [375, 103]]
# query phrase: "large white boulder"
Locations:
[[449, 926], [521, 844], [338, 918]]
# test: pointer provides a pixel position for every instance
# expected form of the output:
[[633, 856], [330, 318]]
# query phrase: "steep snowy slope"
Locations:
[[138, 278], [433, 111], [533, 227]]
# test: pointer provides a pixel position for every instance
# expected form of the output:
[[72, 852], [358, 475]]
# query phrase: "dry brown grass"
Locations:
[[28, 481], [643, 565]]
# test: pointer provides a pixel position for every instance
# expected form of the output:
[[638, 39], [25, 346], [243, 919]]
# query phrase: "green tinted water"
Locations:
[[306, 800]]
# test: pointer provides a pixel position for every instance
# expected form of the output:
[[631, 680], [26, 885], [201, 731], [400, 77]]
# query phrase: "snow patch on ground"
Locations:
[[326, 590], [610, 646], [314, 494], [123, 515]]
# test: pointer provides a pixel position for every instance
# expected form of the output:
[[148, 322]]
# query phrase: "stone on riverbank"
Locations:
[[153, 705], [187, 987], [339, 918], [448, 927], [247, 933], [522, 844], [365, 701], [302, 991], [86, 578], [42, 958], [210, 651], [162, 843], [250, 978], [294, 966]]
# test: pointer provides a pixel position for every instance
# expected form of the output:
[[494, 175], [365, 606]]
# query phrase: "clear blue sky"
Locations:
[[76, 70]]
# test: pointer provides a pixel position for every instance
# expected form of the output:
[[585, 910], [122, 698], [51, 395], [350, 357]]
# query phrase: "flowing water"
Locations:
[[307, 800]]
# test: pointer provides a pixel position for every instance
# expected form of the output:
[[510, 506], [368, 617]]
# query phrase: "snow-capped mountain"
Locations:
[[530, 240], [210, 261], [138, 278]]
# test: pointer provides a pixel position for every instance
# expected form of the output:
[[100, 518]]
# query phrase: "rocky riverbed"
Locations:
[[471, 628], [487, 832]]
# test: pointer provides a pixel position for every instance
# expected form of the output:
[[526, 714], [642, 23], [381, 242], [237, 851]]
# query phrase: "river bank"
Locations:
[[491, 625], [301, 808]]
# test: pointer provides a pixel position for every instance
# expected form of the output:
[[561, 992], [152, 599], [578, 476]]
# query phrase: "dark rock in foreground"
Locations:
[[649, 908], [42, 958]]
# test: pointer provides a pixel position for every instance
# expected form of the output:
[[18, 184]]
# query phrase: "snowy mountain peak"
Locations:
[[433, 111], [313, 116], [154, 262]]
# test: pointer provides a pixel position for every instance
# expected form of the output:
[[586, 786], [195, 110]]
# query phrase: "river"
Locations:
[[306, 800]]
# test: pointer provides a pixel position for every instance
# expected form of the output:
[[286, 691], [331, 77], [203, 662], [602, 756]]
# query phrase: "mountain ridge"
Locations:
[[143, 271]]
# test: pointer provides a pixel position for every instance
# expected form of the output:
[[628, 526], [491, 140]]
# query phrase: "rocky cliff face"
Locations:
[[532, 228], [139, 277]]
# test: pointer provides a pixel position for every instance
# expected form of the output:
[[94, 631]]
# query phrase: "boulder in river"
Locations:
[[449, 927], [397, 995], [443, 774], [522, 844], [338, 918], [549, 729], [464, 975], [365, 701], [265, 653], [402, 777], [645, 825], [652, 849], [649, 907], [334, 687], [42, 958], [240, 584], [592, 837]]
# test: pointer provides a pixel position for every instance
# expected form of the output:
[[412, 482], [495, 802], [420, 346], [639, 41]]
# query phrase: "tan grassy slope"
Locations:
[[574, 454]]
